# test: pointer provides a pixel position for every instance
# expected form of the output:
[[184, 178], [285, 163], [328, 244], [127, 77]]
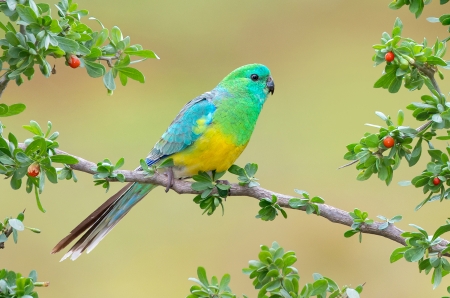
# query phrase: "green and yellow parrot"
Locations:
[[209, 133]]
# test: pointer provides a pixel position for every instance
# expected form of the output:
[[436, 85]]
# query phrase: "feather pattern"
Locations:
[[209, 133]]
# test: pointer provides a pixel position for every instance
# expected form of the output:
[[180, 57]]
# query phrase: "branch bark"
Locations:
[[331, 213], [3, 83]]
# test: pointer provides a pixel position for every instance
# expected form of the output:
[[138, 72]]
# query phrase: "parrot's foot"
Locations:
[[170, 179]]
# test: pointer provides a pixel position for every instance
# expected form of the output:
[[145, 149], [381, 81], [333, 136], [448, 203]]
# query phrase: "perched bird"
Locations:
[[209, 133]]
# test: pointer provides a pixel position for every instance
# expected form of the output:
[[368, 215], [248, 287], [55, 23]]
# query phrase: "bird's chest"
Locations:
[[214, 150]]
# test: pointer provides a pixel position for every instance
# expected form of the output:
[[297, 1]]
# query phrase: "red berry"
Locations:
[[34, 169], [74, 62], [389, 57], [436, 181], [388, 142]]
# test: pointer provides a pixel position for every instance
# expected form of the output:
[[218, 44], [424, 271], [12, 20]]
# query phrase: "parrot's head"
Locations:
[[251, 79]]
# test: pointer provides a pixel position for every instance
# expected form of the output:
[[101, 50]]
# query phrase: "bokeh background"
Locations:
[[319, 53]]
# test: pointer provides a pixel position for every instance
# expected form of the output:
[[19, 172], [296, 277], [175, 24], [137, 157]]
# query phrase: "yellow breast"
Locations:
[[212, 151]]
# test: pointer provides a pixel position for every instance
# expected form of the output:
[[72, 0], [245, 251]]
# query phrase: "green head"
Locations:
[[252, 79]]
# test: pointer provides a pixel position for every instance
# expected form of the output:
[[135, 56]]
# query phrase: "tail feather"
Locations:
[[103, 219]]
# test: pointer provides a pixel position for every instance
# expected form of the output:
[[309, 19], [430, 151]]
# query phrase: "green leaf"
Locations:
[[94, 70], [66, 44], [23, 158], [297, 203], [236, 170], [436, 61], [12, 38], [101, 37], [141, 53], [201, 272], [372, 141], [386, 80], [224, 282], [351, 293], [26, 14], [132, 73], [437, 277], [119, 163], [441, 230], [3, 238], [35, 146], [108, 80], [414, 254], [319, 287], [36, 194], [16, 224], [116, 35], [381, 115], [123, 79], [14, 110], [50, 172], [350, 233], [395, 85], [67, 159], [167, 163]]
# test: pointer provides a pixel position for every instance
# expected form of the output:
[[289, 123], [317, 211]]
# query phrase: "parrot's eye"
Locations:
[[254, 77]]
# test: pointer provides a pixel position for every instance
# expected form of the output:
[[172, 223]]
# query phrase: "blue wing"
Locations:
[[187, 127]]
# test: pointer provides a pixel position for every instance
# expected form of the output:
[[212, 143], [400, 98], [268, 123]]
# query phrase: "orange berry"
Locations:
[[34, 169], [389, 57], [74, 61], [436, 181], [388, 142]]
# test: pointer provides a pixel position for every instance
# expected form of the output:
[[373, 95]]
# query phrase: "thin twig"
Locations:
[[349, 164], [419, 130], [109, 59], [7, 234], [3, 83], [429, 72], [2, 244]]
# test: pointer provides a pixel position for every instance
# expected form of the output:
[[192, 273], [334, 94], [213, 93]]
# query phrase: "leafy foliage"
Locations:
[[13, 226], [388, 222], [206, 184], [42, 36], [273, 276], [105, 169], [417, 249], [411, 59], [14, 109], [269, 209], [14, 285], [40, 150], [369, 152], [311, 205], [246, 175], [438, 167], [210, 289], [359, 218]]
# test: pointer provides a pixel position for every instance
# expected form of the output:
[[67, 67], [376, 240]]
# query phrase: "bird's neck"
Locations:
[[236, 116]]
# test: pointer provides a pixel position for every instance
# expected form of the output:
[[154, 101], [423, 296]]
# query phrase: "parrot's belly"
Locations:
[[212, 151]]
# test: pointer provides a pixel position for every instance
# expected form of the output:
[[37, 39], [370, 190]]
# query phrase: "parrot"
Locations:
[[208, 134]]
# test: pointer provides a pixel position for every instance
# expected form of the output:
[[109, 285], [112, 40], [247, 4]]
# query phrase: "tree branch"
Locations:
[[3, 83], [331, 213], [429, 72], [7, 234]]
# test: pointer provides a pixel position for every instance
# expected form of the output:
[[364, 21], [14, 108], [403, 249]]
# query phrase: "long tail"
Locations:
[[102, 220]]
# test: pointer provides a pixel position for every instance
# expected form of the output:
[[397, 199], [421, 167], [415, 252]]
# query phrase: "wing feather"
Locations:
[[187, 127]]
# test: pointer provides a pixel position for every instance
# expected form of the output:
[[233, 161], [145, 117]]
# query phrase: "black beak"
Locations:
[[270, 85]]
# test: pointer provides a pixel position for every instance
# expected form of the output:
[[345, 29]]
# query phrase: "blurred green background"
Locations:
[[319, 53]]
